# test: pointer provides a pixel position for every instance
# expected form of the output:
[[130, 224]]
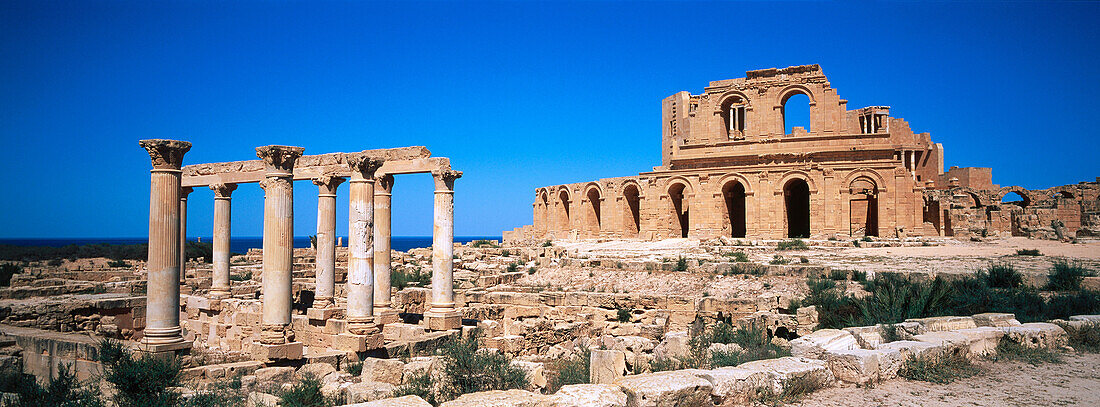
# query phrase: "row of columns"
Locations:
[[368, 286]]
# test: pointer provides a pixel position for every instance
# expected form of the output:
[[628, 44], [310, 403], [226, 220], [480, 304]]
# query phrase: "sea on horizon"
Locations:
[[236, 244]]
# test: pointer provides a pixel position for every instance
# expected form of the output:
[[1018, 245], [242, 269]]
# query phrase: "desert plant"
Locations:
[[739, 256], [569, 370], [681, 265], [418, 385], [1066, 276], [866, 239], [1002, 275], [838, 275], [1028, 252], [793, 390], [466, 369], [354, 368], [1010, 350], [145, 380], [118, 263], [779, 260], [894, 298], [860, 276], [416, 277], [623, 314], [531, 270], [63, 390], [793, 244], [938, 368], [513, 267], [1084, 337], [305, 393], [547, 243], [889, 333], [505, 252]]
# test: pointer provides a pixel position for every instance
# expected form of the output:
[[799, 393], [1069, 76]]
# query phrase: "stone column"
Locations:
[[323, 303], [219, 287], [383, 192], [184, 192], [162, 312], [363, 332], [442, 315], [276, 334]]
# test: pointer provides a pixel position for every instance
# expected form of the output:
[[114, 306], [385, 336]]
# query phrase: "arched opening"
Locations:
[[863, 208], [593, 222], [1015, 198], [544, 210], [734, 195], [1015, 202], [733, 117], [1063, 195], [796, 196], [563, 211], [679, 208], [796, 114], [633, 207]]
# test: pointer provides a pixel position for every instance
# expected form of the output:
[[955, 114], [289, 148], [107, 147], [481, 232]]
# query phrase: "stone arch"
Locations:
[[863, 208], [796, 199], [632, 199], [734, 198], [731, 94], [733, 107], [975, 195], [679, 194], [542, 202], [873, 175], [1025, 194], [592, 203], [781, 105], [564, 201], [792, 174]]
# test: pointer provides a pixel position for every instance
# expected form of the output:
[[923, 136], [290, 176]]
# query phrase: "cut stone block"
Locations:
[[358, 343], [1087, 318], [315, 370], [816, 344], [1037, 335], [535, 372], [858, 366], [995, 319], [734, 384], [675, 345], [983, 339], [587, 395], [383, 370], [912, 348], [785, 369], [498, 398], [937, 324], [442, 321], [404, 401], [952, 341], [287, 351], [368, 391], [606, 366], [674, 388]]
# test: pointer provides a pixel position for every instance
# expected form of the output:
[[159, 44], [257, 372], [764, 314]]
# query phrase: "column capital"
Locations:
[[223, 191], [327, 184], [185, 191], [363, 166], [279, 160], [166, 154], [445, 179], [384, 186]]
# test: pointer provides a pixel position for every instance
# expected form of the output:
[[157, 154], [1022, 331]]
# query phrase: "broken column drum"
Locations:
[[162, 326], [219, 286], [442, 314], [360, 311], [326, 240], [278, 244]]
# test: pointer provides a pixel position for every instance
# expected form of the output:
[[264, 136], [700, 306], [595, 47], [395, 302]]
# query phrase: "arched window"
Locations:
[[593, 221], [1015, 198], [863, 207], [563, 213], [796, 113], [733, 116]]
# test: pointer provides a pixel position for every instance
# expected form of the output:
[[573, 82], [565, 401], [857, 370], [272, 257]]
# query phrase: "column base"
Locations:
[[165, 347], [385, 316], [442, 321], [284, 351], [324, 314], [358, 343], [219, 295]]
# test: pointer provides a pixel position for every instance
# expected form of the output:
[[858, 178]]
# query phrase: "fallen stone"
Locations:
[[816, 344], [368, 391], [856, 366], [274, 375], [1037, 335], [786, 370], [674, 388], [675, 345], [937, 324], [535, 372], [995, 319], [983, 339], [315, 370], [262, 400], [948, 341], [498, 398], [383, 370], [606, 366], [403, 401], [587, 395], [734, 384]]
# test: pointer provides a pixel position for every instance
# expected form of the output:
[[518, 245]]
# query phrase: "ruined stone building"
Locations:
[[728, 168]]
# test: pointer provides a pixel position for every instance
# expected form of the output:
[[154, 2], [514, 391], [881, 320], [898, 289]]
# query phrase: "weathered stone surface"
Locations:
[[948, 341], [275, 375], [912, 348], [403, 401], [368, 391], [666, 389], [383, 370], [995, 319], [1037, 335], [936, 324], [858, 366], [785, 369], [816, 344], [675, 345], [983, 339], [498, 398], [262, 399], [535, 372], [587, 395], [606, 366], [316, 370], [1087, 318], [734, 384]]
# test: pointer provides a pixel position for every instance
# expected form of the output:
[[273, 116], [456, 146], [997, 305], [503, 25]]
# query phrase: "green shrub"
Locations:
[[838, 275], [513, 267], [483, 243], [803, 259], [505, 252], [139, 381], [414, 278], [860, 276], [889, 333], [1066, 276], [118, 263], [570, 370], [1009, 350], [54, 262], [468, 370], [245, 276], [1085, 337], [1063, 306], [681, 265], [793, 244], [1002, 276], [531, 270], [894, 298], [623, 314], [1028, 252], [305, 393], [938, 368], [222, 393], [354, 368], [547, 243], [64, 390], [834, 307], [197, 250], [739, 256], [778, 260], [724, 358], [418, 385], [664, 364]]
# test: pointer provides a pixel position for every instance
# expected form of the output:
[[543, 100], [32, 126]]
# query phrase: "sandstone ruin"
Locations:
[[728, 169]]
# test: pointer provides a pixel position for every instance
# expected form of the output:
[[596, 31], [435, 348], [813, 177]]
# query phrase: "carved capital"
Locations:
[[326, 184], [223, 191], [445, 179], [279, 159], [383, 184], [280, 185], [166, 154], [364, 165], [185, 191]]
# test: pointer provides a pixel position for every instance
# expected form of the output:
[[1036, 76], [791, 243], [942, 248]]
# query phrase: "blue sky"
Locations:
[[517, 94]]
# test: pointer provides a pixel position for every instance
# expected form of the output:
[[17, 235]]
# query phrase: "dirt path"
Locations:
[[1073, 383]]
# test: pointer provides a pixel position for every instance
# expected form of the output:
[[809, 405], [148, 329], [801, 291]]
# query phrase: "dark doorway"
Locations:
[[679, 208], [633, 204], [734, 194], [797, 196]]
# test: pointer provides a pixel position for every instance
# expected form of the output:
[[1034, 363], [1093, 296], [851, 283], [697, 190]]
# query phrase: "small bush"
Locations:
[[778, 260], [739, 256], [571, 370], [483, 243], [1028, 252], [54, 262], [547, 243], [468, 370], [1085, 337], [1002, 276], [889, 333], [1009, 350], [803, 259], [415, 278], [118, 263], [793, 244], [64, 390], [222, 393], [1066, 276], [305, 393], [418, 385], [531, 270], [859, 276], [139, 381], [354, 368], [681, 265], [838, 275], [664, 364], [623, 314], [245, 276], [513, 267], [505, 252], [940, 369]]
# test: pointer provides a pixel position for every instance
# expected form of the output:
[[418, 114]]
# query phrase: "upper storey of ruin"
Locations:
[[742, 122]]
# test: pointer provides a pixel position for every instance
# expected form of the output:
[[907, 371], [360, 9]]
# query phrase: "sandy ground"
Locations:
[[1073, 383]]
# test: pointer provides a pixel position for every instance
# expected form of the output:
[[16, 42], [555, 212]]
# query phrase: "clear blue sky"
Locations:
[[519, 95]]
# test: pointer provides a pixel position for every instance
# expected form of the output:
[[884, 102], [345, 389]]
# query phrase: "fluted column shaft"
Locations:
[[162, 325], [222, 225], [184, 192], [360, 312], [383, 192], [278, 256], [326, 240], [443, 243]]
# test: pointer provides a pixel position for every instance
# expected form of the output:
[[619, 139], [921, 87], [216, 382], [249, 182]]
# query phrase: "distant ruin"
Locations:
[[728, 168]]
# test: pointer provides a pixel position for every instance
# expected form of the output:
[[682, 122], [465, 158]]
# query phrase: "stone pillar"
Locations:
[[442, 315], [184, 192], [162, 312], [323, 303], [363, 332], [383, 192], [276, 334], [219, 287]]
